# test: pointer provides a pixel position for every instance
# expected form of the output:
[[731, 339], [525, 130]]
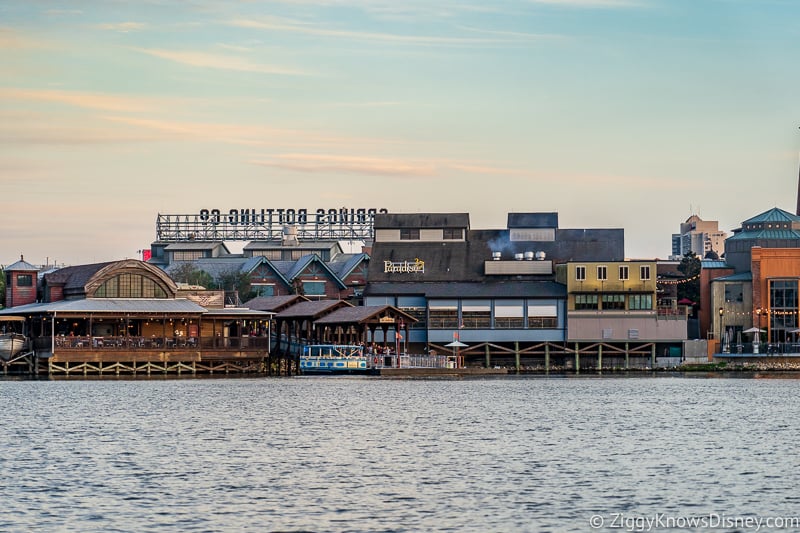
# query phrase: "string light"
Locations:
[[677, 281]]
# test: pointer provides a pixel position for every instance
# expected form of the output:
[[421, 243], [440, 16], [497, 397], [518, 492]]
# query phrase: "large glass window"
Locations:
[[508, 314], [130, 286], [24, 280], [542, 315], [419, 314], [443, 314], [585, 302], [263, 289], [476, 314], [783, 299], [640, 301], [613, 301]]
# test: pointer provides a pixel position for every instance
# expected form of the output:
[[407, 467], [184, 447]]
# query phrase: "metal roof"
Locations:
[[773, 215], [312, 309], [766, 234], [20, 266], [111, 305], [237, 311], [421, 220], [713, 263], [353, 315], [743, 276], [196, 245], [274, 303]]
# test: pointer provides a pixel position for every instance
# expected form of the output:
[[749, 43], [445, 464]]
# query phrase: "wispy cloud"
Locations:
[[87, 100], [218, 61], [12, 39], [307, 29], [590, 3], [372, 166], [123, 27]]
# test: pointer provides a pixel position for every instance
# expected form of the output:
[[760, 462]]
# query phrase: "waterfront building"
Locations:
[[614, 305], [493, 291], [127, 316], [21, 278], [756, 286], [698, 236]]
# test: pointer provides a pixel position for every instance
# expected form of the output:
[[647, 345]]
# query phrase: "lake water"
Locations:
[[369, 454]]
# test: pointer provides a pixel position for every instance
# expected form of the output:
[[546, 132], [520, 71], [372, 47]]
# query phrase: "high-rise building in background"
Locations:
[[699, 236]]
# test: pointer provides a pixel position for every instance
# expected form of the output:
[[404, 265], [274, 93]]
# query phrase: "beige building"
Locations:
[[699, 236]]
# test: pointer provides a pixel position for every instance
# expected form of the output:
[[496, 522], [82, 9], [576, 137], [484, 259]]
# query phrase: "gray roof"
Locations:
[[421, 220], [773, 215], [20, 266], [75, 277], [353, 315], [111, 305], [742, 276], [766, 234], [502, 289], [237, 311], [274, 303], [344, 264], [312, 309]]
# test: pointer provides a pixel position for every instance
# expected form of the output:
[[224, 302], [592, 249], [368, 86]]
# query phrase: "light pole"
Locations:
[[757, 334], [721, 340]]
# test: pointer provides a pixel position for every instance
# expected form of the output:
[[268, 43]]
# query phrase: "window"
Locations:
[[623, 273], [508, 314], [263, 290], [613, 301], [409, 234], [314, 288], [272, 255], [130, 286], [187, 255], [580, 273], [452, 233], [585, 301], [443, 314], [476, 314], [644, 272], [419, 314], [24, 280], [542, 315], [734, 292], [640, 301], [602, 273]]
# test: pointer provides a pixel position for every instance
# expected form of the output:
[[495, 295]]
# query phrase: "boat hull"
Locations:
[[333, 365], [11, 344]]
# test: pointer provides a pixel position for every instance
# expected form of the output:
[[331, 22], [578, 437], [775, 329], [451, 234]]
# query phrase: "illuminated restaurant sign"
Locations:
[[407, 267]]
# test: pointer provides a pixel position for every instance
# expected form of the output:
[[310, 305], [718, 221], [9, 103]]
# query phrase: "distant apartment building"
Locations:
[[698, 236]]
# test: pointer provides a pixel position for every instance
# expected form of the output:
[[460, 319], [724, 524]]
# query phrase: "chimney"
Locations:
[[496, 256]]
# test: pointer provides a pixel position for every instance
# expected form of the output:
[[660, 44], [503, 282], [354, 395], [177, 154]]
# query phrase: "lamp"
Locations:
[[721, 313]]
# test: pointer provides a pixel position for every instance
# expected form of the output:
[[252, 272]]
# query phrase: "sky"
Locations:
[[630, 114]]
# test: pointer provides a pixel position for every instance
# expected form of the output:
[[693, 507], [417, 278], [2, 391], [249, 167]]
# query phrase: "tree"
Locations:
[[235, 281], [187, 273], [690, 286]]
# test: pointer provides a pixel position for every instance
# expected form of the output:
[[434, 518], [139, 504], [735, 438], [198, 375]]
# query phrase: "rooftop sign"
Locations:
[[268, 224]]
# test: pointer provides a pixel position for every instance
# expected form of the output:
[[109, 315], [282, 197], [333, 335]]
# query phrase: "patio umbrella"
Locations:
[[685, 301], [754, 330], [454, 345]]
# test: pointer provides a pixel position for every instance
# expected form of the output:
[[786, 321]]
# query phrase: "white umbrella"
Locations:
[[456, 344], [754, 330]]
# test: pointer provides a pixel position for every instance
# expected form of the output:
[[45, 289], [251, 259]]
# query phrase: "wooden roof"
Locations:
[[311, 309], [369, 314]]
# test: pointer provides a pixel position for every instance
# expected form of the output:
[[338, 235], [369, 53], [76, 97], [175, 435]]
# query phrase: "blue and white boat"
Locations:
[[333, 359]]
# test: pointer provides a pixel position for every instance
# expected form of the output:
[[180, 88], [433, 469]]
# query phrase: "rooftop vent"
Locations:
[[496, 256], [528, 256], [518, 257], [540, 256]]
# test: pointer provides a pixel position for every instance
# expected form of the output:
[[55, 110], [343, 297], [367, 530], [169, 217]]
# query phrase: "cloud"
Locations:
[[12, 40], [289, 26], [372, 166], [218, 61], [87, 100], [590, 3], [123, 27], [244, 134]]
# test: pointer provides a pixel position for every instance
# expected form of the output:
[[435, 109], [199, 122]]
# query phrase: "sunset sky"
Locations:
[[626, 114]]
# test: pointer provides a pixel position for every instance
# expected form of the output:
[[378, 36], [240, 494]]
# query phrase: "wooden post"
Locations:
[[577, 359], [547, 358], [653, 356], [488, 357], [600, 358], [516, 355], [627, 358]]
